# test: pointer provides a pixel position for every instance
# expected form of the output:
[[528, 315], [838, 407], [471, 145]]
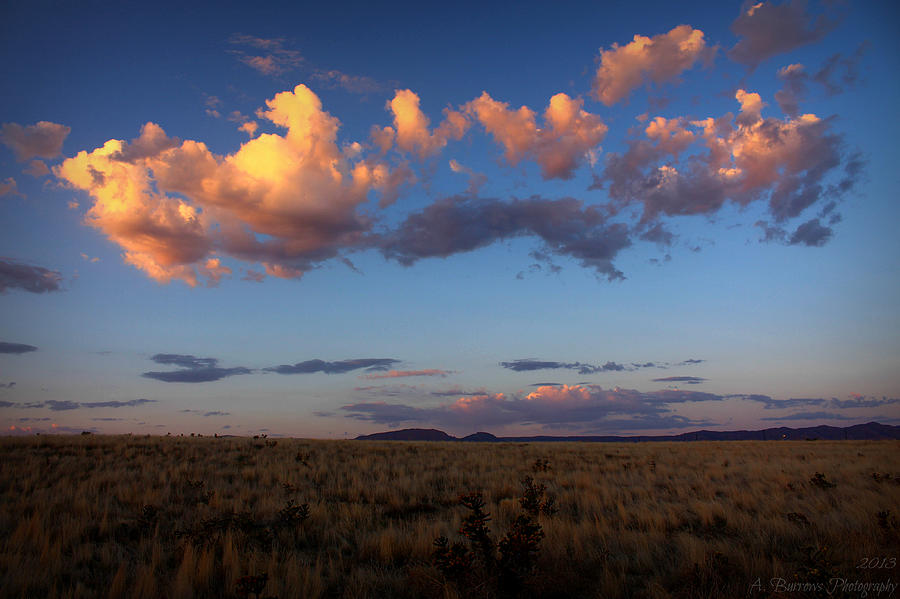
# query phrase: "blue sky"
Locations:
[[325, 221]]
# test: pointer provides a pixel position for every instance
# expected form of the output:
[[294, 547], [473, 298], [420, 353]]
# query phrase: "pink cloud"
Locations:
[[568, 134], [658, 59]]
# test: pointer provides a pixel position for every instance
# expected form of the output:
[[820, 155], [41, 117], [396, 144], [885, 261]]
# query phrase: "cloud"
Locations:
[[192, 369], [410, 131], [791, 163], [267, 56], [582, 406], [825, 76], [476, 180], [67, 405], [15, 348], [859, 401], [780, 404], [208, 414], [568, 135], [690, 380], [658, 59], [460, 224], [286, 201], [9, 187], [810, 416], [794, 90], [529, 364], [766, 29], [811, 233], [339, 367], [34, 279], [41, 140], [354, 84], [394, 374], [8, 385], [117, 404]]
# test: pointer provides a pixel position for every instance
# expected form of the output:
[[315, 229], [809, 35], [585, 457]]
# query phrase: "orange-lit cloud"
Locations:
[[411, 131], [567, 136], [394, 374], [658, 59], [298, 190]]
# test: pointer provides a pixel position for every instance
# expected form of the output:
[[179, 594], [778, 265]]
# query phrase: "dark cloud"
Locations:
[[61, 405], [65, 405], [461, 224], [34, 279], [782, 404], [193, 369], [6, 404], [339, 367], [529, 364], [117, 404], [828, 76], [862, 402], [794, 90], [690, 380], [766, 29], [810, 416], [691, 361], [208, 414], [15, 348], [811, 233]]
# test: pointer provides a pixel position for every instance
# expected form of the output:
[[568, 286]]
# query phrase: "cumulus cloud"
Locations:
[[410, 131], [583, 406], [41, 140], [460, 224], [192, 369], [34, 279], [569, 134], [395, 374], [791, 163], [658, 59], [338, 367], [15, 348], [286, 201], [766, 29]]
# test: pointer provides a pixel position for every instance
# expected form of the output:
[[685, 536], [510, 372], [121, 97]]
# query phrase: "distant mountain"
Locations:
[[857, 432], [409, 434]]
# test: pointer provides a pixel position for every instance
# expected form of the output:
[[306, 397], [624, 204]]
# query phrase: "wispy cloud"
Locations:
[[56, 405], [690, 380], [394, 374], [810, 416]]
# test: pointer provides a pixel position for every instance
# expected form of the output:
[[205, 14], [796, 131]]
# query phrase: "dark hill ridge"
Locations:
[[857, 432]]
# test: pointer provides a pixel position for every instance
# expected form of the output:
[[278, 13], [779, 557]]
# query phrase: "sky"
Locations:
[[331, 220]]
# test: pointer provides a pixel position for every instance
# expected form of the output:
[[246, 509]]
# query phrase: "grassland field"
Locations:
[[181, 517]]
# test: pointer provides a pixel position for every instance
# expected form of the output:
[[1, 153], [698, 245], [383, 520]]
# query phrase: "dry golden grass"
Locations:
[[97, 516]]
